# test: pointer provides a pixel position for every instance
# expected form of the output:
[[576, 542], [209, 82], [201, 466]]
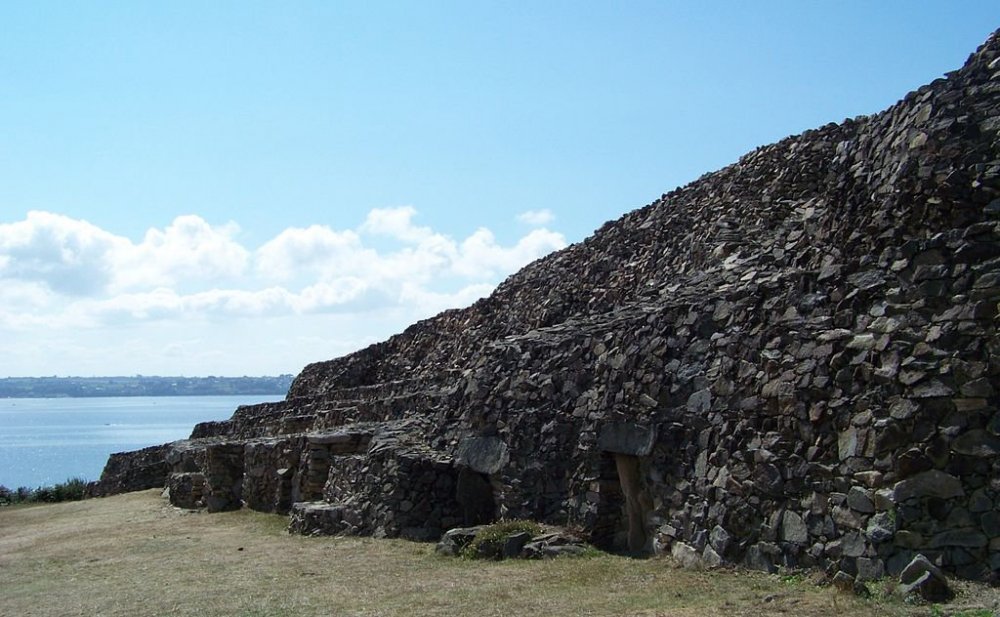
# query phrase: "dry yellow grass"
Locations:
[[135, 555]]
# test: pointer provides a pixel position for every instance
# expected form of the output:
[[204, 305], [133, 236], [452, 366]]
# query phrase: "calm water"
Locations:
[[47, 440]]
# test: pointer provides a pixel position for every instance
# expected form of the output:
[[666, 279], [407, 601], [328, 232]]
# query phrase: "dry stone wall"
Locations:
[[790, 362]]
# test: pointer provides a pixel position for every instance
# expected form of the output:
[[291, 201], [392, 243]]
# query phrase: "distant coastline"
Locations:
[[140, 385]]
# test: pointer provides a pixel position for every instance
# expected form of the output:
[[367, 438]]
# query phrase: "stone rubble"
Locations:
[[517, 545], [790, 362]]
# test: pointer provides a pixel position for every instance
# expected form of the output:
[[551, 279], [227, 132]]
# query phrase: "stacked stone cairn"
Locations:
[[790, 362]]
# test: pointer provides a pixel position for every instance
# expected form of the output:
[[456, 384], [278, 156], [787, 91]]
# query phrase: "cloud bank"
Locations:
[[59, 272]]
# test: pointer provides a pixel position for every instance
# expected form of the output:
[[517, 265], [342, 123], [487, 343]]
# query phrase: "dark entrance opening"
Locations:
[[317, 470], [622, 506], [474, 494]]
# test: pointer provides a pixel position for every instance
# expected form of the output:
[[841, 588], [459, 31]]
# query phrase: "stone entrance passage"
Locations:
[[623, 504], [324, 448], [636, 503], [474, 494], [478, 459]]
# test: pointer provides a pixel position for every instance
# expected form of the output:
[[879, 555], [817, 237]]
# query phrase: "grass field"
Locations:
[[134, 554]]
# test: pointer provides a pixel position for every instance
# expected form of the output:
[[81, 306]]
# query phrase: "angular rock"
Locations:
[[793, 529], [710, 558], [959, 537], [932, 483], [859, 500], [881, 528], [976, 442], [922, 577], [686, 555], [454, 540], [483, 454], [720, 540]]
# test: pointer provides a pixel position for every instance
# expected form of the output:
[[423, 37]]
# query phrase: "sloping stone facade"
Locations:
[[792, 361]]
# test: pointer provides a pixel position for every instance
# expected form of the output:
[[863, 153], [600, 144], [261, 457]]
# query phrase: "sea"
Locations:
[[44, 441]]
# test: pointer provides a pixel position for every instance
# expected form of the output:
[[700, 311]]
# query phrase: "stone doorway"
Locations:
[[623, 503], [636, 504], [623, 506]]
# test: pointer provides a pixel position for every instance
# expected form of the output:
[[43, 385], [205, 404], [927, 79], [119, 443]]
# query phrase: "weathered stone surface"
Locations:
[[553, 544], [710, 558], [909, 539]]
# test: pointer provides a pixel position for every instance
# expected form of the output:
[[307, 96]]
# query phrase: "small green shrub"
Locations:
[[73, 489], [44, 494], [489, 540]]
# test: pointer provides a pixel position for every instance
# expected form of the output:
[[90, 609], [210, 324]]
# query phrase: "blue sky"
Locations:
[[243, 188]]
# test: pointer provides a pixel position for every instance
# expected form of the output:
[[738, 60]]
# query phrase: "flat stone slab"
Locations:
[[483, 454], [931, 483], [627, 438]]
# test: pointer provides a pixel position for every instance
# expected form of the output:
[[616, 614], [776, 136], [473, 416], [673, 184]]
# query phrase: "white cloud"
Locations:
[[423, 255], [429, 303], [75, 258], [317, 249], [188, 249], [68, 256], [397, 223], [536, 218], [482, 257], [68, 284]]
